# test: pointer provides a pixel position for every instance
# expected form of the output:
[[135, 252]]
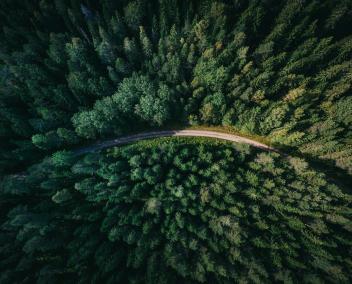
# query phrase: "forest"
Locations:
[[175, 210]]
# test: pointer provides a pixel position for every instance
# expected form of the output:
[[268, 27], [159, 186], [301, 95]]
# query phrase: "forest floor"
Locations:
[[170, 133]]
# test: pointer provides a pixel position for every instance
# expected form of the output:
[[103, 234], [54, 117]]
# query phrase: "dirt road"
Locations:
[[167, 133]]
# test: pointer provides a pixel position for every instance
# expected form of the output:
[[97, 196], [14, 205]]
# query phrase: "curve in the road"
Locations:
[[168, 133]]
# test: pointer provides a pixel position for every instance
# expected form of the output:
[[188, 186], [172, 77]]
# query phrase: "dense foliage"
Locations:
[[183, 211], [74, 69], [175, 211]]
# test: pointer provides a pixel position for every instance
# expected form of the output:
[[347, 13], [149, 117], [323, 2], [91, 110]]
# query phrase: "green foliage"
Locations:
[[275, 70], [202, 210], [62, 158], [174, 213], [137, 96]]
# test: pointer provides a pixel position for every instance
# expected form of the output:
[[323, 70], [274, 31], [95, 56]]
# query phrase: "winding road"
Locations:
[[168, 133]]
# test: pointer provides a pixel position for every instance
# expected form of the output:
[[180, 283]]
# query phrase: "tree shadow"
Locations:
[[332, 172]]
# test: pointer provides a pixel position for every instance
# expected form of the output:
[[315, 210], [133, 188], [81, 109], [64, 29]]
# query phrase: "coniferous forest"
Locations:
[[175, 210]]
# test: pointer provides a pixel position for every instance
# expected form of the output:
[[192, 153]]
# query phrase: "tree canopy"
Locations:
[[77, 71], [176, 211]]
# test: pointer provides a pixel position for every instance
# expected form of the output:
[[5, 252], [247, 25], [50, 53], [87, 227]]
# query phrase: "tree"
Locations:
[[131, 50], [145, 42], [62, 158], [84, 124], [134, 13], [154, 109], [47, 141]]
